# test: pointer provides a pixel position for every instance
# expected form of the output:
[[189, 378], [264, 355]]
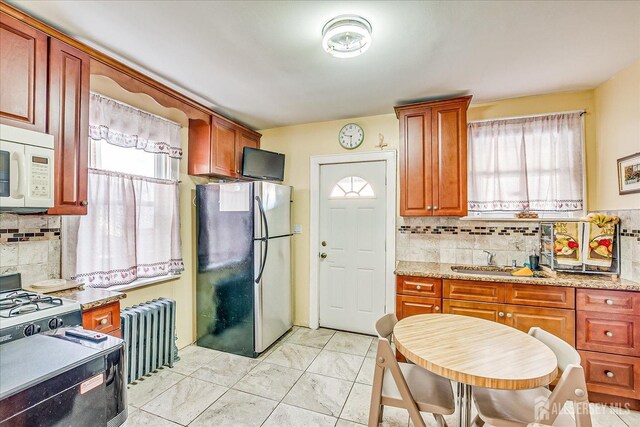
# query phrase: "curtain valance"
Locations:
[[125, 126]]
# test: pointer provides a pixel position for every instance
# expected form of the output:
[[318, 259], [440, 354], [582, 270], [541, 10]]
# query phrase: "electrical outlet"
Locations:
[[297, 228]]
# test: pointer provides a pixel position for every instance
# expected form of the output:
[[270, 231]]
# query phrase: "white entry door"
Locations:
[[352, 245]]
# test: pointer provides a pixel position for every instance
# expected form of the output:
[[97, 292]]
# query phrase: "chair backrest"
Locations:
[[384, 325], [565, 354]]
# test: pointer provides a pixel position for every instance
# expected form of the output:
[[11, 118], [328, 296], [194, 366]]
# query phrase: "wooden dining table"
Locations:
[[475, 353]]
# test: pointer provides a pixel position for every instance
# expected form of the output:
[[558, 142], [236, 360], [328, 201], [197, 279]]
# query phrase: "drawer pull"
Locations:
[[609, 374], [609, 334], [609, 301], [103, 321], [418, 287], [437, 308], [509, 315], [501, 314]]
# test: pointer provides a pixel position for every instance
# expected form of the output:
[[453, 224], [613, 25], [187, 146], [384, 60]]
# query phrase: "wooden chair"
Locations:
[[516, 408], [404, 385]]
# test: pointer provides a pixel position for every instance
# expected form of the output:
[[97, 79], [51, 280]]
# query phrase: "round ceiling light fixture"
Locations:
[[346, 36]]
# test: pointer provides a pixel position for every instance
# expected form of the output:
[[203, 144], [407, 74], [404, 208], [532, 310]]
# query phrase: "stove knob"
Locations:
[[31, 329], [55, 323]]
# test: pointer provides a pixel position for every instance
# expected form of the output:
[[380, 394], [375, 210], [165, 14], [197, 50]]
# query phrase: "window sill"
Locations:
[[144, 282]]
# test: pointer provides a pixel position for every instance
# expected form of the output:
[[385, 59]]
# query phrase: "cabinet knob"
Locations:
[[418, 287], [238, 171], [501, 314], [435, 208], [437, 308], [103, 321], [428, 208], [609, 301], [609, 374], [608, 333], [84, 203], [509, 315]]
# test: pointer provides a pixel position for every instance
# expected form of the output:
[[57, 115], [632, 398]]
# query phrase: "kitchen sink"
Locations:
[[488, 270]]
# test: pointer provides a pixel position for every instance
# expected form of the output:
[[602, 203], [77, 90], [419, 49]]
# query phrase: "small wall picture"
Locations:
[[629, 174]]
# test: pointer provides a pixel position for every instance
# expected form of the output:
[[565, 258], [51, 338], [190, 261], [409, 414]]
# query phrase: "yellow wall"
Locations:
[[300, 142], [617, 102], [182, 290]]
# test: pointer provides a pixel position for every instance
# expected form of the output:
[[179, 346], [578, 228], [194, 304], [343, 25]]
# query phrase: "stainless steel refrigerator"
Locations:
[[243, 284]]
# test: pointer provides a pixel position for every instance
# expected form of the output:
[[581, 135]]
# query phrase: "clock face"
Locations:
[[351, 136]]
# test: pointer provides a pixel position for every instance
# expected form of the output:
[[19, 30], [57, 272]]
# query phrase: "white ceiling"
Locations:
[[262, 62]]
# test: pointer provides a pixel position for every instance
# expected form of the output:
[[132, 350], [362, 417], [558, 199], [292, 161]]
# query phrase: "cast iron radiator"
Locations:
[[149, 330]]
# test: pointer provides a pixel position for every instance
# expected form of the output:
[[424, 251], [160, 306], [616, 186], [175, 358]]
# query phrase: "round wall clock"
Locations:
[[351, 136]]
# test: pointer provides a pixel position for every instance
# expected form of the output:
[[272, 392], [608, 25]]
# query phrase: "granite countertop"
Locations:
[[91, 297], [575, 280]]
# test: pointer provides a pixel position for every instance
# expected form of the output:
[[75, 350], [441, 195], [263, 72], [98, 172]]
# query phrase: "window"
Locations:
[[352, 187], [524, 164], [132, 229]]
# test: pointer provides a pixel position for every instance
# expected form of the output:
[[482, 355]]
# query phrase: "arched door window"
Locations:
[[352, 187]]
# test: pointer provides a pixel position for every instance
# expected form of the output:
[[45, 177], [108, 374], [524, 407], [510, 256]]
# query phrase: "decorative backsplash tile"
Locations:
[[30, 245]]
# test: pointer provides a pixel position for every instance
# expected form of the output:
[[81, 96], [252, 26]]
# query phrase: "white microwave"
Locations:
[[26, 170]]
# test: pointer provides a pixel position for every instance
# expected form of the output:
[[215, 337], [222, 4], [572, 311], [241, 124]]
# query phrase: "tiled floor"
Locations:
[[309, 378]]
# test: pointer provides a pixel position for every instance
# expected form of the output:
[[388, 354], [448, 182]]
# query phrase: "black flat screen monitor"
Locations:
[[262, 164]]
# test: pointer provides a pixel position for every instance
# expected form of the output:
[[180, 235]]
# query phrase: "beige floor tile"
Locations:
[[630, 418], [357, 409], [226, 369], [290, 416], [183, 402], [193, 358], [337, 365], [365, 376], [145, 419], [319, 394], [346, 342], [236, 409], [269, 380], [293, 356], [151, 386], [347, 423], [317, 338]]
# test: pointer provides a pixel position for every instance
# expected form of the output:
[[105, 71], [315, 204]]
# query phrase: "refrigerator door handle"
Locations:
[[265, 239]]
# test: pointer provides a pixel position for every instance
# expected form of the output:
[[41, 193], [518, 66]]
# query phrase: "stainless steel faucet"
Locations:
[[491, 257]]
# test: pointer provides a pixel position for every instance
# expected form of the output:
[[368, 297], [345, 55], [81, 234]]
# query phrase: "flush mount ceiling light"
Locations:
[[346, 36]]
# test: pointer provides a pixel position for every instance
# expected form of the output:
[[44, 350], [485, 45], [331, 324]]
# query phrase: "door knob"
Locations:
[[323, 243], [323, 255]]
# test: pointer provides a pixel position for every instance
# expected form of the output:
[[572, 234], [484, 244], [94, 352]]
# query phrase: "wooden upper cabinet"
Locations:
[[246, 139], [69, 125], [433, 158], [215, 147], [23, 75]]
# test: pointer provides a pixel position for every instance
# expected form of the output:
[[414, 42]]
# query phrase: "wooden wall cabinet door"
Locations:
[[433, 158], [540, 296], [23, 75], [474, 291], [69, 125], [245, 140], [223, 148], [416, 186], [559, 322], [449, 159], [199, 155]]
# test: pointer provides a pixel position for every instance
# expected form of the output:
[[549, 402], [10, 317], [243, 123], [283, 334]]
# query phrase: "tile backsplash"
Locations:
[[450, 240], [30, 245]]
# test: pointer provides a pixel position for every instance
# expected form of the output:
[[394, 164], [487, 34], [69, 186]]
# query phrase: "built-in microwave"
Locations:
[[26, 170]]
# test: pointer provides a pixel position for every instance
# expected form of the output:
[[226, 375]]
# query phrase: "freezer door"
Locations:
[[276, 204], [273, 297]]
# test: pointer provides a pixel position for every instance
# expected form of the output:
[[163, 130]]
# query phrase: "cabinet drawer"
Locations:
[[103, 319], [609, 333], [619, 302], [481, 310], [410, 306], [420, 286], [540, 296], [611, 374], [474, 291]]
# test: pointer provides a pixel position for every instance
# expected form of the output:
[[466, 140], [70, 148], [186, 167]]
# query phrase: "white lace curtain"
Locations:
[[122, 125], [534, 163], [131, 231]]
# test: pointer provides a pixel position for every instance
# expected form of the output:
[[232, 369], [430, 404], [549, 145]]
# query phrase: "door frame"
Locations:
[[390, 159]]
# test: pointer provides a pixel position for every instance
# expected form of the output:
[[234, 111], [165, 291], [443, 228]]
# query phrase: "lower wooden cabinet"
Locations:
[[609, 332], [105, 319], [407, 305], [612, 374]]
